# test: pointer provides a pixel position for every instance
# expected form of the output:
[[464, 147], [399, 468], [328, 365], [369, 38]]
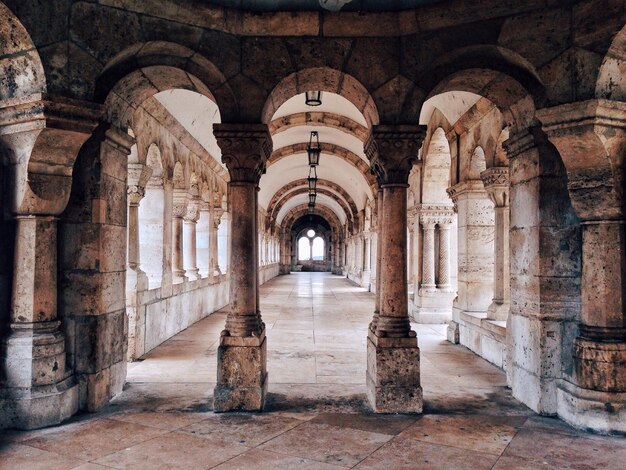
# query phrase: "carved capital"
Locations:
[[179, 206], [431, 215], [591, 139], [135, 195], [245, 149], [42, 136], [193, 210], [496, 181], [465, 187], [392, 151], [217, 216]]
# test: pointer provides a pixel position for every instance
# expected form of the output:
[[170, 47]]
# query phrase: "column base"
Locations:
[[393, 375], [600, 365], [453, 333], [432, 306], [591, 410], [38, 407], [498, 311], [241, 374], [193, 274]]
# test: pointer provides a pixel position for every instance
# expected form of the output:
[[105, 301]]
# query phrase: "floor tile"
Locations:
[[172, 451], [327, 443], [489, 434], [409, 454]]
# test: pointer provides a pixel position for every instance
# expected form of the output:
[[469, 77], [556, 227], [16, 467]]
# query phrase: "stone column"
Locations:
[[38, 388], [190, 219], [393, 371], [136, 279], [367, 240], [496, 181], [203, 231], [545, 271], [591, 138], [178, 213], [443, 281], [214, 225], [242, 354], [379, 253], [415, 261], [428, 254]]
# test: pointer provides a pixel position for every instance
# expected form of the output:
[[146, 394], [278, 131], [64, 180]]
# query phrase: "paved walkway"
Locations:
[[317, 414]]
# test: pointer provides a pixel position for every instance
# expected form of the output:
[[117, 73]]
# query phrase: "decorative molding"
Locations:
[[392, 151], [245, 150]]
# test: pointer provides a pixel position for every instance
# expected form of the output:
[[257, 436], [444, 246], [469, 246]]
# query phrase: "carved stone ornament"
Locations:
[[392, 151], [245, 149]]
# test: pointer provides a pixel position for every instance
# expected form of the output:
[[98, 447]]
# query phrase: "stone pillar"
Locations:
[[428, 256], [379, 255], [393, 370], [433, 301], [203, 231], [443, 279], [214, 225], [367, 263], [242, 354], [415, 260], [496, 182], [545, 271], [591, 138], [190, 262], [178, 213], [136, 279]]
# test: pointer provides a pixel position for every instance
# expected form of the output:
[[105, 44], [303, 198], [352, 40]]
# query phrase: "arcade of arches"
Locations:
[[154, 171]]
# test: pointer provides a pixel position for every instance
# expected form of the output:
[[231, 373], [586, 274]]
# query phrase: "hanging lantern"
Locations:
[[312, 179], [314, 150], [312, 197], [313, 98]]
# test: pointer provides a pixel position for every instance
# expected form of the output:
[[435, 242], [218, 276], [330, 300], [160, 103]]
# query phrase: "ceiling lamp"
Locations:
[[313, 98], [312, 197], [312, 179], [314, 150]]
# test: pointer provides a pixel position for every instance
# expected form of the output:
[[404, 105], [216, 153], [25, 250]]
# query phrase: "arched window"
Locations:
[[317, 251], [304, 249]]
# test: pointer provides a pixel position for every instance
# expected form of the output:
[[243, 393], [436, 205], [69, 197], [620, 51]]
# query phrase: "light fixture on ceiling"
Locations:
[[314, 150], [313, 98], [312, 197], [312, 179]]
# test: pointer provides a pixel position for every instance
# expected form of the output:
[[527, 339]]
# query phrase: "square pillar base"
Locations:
[[38, 407], [393, 375], [241, 374], [591, 410]]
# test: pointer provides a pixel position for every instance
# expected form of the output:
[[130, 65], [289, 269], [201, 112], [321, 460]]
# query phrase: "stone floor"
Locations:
[[317, 414]]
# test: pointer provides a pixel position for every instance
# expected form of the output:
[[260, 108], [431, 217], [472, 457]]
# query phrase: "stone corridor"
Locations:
[[317, 413]]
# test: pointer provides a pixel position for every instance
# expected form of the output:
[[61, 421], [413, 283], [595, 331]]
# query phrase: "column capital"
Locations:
[[42, 136], [217, 215], [135, 195], [465, 187], [591, 139], [245, 149], [496, 181], [392, 151], [431, 215], [179, 206], [193, 210]]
